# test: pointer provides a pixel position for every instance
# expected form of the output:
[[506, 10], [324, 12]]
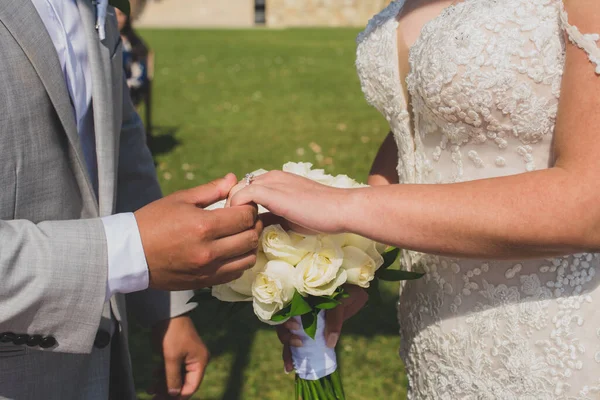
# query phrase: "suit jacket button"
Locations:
[[48, 342], [7, 337], [21, 340], [34, 340], [102, 339]]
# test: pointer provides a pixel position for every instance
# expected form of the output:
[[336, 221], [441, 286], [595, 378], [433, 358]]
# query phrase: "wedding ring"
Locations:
[[249, 178]]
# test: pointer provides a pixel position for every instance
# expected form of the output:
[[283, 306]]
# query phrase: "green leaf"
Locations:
[[279, 318], [389, 257], [394, 275], [282, 315], [309, 323], [334, 296], [122, 5], [299, 305], [339, 294], [373, 292], [201, 295], [317, 302], [328, 305]]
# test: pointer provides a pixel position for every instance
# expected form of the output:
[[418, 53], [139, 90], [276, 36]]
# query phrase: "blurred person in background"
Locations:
[[135, 59]]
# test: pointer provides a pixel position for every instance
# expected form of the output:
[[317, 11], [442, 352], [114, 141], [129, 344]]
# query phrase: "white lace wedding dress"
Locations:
[[485, 82]]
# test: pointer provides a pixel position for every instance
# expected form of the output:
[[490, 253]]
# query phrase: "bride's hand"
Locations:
[[299, 200], [334, 319], [233, 191], [269, 218]]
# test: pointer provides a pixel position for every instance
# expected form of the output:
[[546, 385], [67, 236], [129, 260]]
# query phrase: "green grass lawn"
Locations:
[[236, 101]]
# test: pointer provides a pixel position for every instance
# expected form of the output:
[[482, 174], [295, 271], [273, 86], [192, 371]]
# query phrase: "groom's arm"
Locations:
[[52, 283], [138, 186]]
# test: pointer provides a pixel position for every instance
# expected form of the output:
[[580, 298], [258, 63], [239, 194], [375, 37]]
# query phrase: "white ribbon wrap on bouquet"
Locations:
[[314, 360]]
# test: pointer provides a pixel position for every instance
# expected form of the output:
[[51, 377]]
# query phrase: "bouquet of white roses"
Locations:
[[300, 276]]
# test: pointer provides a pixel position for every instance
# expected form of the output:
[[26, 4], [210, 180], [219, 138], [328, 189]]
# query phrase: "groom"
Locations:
[[83, 229]]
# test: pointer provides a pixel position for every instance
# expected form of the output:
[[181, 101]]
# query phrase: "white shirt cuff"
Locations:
[[127, 266]]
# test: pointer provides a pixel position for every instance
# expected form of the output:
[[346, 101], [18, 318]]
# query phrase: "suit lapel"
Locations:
[[105, 127], [16, 16]]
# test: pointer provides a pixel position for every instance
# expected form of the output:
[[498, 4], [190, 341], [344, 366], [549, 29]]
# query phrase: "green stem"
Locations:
[[306, 390], [329, 388], [313, 390], [319, 389], [298, 389], [337, 385]]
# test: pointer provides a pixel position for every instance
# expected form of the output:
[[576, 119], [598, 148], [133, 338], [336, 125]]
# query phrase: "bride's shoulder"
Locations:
[[384, 16], [583, 16]]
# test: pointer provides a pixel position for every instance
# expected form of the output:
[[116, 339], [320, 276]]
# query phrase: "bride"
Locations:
[[494, 110]]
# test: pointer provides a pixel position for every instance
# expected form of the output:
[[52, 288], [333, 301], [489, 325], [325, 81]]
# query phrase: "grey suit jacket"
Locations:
[[53, 252]]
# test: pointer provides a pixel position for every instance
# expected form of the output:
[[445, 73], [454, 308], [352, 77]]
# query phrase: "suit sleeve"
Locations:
[[138, 186], [53, 281]]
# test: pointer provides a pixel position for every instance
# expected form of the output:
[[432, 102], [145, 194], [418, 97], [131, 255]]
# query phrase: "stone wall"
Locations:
[[198, 13], [289, 13]]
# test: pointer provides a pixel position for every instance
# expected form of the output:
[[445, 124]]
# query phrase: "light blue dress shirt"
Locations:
[[127, 267]]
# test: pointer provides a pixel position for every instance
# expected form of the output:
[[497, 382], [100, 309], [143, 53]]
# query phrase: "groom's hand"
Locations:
[[187, 247], [184, 359]]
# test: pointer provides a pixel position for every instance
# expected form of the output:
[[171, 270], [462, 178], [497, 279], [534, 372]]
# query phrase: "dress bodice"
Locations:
[[484, 83], [484, 80]]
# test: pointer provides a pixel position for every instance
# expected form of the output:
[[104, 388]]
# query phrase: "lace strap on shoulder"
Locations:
[[391, 11], [587, 42]]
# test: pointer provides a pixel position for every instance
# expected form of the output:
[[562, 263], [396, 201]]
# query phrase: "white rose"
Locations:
[[359, 266], [243, 284], [278, 245], [241, 288], [372, 248], [273, 289], [259, 172], [300, 168], [310, 243], [319, 175], [380, 247], [374, 253], [320, 273], [305, 170], [345, 182], [351, 239]]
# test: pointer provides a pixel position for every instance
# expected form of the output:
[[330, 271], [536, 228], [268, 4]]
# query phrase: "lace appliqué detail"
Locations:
[[498, 330], [485, 86], [380, 82], [586, 42]]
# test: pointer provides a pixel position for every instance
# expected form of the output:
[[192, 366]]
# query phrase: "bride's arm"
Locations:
[[540, 214], [537, 214], [383, 171]]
